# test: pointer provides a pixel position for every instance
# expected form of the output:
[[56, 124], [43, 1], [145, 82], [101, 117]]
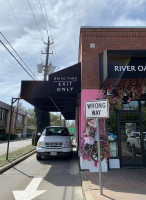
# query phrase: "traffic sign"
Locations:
[[97, 109]]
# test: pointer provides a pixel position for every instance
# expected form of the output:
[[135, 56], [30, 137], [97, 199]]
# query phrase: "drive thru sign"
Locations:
[[97, 109]]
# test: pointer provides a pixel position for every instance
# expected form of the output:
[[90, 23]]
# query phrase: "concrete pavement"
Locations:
[[60, 179], [118, 184]]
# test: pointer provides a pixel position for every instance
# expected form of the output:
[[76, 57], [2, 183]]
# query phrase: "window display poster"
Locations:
[[130, 128], [113, 149]]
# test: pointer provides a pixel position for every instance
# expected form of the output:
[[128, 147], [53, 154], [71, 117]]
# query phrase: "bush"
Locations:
[[13, 137], [4, 137]]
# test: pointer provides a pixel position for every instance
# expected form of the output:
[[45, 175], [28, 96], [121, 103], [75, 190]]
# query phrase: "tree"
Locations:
[[70, 123], [42, 119], [55, 120], [31, 117]]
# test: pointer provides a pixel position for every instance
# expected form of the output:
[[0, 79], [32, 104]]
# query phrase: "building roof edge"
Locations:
[[113, 27]]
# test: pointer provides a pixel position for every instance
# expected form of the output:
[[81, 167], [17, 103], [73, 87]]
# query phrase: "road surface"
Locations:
[[55, 179]]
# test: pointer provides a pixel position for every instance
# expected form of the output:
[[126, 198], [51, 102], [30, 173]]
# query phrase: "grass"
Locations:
[[15, 155]]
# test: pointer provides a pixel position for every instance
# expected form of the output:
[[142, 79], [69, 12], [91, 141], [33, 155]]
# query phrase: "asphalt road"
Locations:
[[50, 179], [14, 145]]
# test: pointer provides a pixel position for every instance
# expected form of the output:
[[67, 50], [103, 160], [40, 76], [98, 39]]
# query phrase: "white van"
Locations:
[[54, 141]]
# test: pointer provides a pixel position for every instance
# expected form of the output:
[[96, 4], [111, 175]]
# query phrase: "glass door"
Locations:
[[131, 146]]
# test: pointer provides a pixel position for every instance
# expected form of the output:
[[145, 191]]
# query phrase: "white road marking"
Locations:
[[30, 192]]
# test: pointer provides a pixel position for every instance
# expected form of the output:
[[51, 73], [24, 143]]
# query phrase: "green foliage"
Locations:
[[31, 117], [111, 123], [70, 124], [4, 137], [42, 119], [55, 120], [30, 130], [15, 155]]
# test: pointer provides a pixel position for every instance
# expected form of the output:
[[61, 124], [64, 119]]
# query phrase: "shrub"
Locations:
[[4, 137]]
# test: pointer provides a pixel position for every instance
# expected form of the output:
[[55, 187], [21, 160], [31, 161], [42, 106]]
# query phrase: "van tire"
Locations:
[[69, 157], [38, 157]]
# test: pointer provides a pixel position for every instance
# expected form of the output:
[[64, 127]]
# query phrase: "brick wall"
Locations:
[[105, 38]]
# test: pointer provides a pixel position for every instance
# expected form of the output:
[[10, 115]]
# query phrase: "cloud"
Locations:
[[65, 19]]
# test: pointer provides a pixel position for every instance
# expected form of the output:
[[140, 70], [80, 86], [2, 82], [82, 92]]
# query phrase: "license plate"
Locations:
[[53, 153]]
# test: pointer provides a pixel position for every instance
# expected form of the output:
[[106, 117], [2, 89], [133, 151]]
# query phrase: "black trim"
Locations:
[[119, 136]]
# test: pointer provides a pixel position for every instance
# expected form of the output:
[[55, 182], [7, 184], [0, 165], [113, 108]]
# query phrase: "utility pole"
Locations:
[[47, 58], [16, 115]]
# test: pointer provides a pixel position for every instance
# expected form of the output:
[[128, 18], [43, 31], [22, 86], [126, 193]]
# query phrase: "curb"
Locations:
[[85, 186], [15, 162]]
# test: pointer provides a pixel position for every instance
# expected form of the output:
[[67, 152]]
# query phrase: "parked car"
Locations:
[[54, 141], [134, 142]]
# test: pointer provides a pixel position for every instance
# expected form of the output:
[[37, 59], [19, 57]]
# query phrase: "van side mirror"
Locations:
[[39, 134]]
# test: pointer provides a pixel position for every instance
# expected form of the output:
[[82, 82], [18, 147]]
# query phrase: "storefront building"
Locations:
[[113, 67]]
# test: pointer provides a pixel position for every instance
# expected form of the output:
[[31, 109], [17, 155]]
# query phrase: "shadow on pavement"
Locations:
[[119, 180], [63, 172]]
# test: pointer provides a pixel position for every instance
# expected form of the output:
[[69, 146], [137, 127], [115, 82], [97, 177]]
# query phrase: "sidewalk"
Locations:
[[118, 184]]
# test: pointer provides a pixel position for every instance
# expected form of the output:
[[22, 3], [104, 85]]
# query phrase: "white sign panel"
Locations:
[[97, 109]]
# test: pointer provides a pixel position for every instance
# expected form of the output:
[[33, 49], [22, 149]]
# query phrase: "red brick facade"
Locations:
[[105, 38]]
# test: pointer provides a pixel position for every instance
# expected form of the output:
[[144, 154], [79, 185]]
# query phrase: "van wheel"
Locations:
[[69, 157], [38, 157]]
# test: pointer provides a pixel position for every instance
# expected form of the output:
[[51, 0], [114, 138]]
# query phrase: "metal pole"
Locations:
[[16, 116], [99, 156], [9, 130]]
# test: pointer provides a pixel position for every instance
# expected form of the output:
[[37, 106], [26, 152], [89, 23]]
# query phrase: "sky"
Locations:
[[26, 24]]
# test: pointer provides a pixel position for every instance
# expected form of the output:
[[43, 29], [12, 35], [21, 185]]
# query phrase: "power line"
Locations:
[[47, 19], [35, 20], [18, 22], [22, 29], [18, 55], [43, 16], [17, 60], [50, 28]]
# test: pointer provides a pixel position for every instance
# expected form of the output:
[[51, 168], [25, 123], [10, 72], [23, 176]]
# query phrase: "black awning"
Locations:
[[58, 94], [122, 64]]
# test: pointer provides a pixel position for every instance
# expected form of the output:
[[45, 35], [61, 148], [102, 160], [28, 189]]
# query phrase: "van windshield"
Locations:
[[56, 131]]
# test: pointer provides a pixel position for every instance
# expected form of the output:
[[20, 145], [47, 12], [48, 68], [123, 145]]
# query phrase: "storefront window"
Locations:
[[112, 135], [113, 146], [3, 114], [143, 110], [20, 119], [133, 105]]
